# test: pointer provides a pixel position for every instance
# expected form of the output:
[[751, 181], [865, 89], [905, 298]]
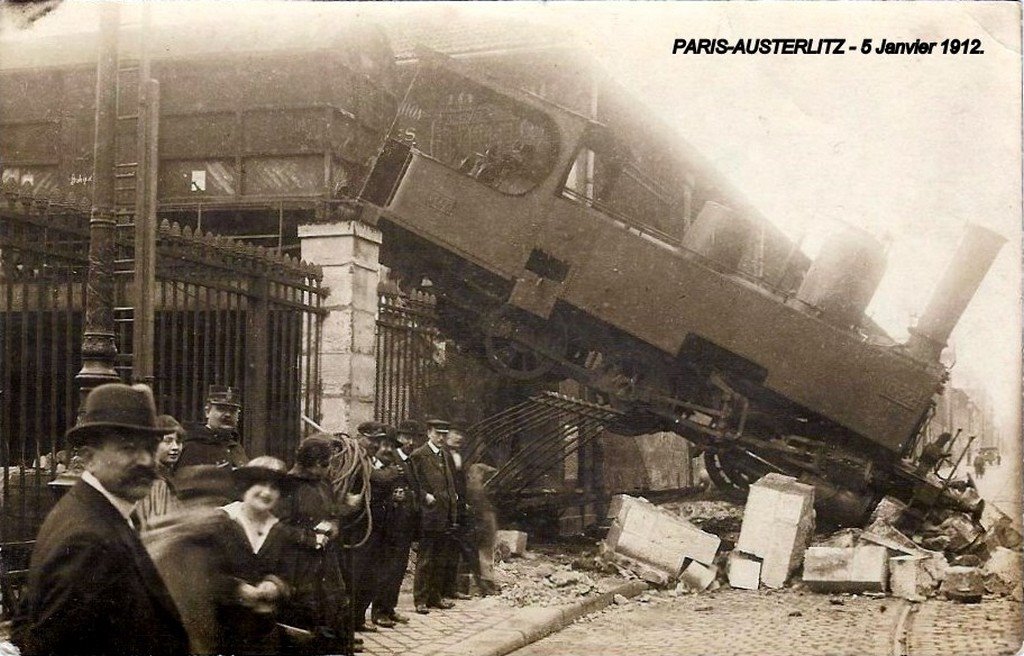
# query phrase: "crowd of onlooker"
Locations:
[[174, 541]]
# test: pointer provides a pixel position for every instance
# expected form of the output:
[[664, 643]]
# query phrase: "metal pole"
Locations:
[[99, 347], [143, 326]]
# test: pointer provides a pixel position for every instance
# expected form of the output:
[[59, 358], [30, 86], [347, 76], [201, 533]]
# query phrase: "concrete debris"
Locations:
[[916, 577], [620, 600], [966, 560], [836, 569], [963, 584], [843, 539], [954, 535], [1002, 572], [697, 577], [889, 511], [744, 571], [778, 523], [563, 578], [656, 538], [544, 570], [999, 528], [511, 542], [882, 533]]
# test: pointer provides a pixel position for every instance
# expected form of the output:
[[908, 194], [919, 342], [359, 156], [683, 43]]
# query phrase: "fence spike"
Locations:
[[176, 229], [186, 232], [165, 225]]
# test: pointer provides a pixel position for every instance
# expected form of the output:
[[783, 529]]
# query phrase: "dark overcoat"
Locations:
[[204, 446], [92, 588], [436, 476]]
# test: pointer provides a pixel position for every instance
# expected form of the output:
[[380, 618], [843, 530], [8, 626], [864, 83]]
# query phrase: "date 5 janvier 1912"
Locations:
[[919, 47]]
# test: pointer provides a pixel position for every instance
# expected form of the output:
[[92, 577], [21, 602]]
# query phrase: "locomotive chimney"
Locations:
[[978, 248]]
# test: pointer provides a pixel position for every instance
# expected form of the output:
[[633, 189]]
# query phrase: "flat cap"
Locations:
[[440, 425], [372, 429]]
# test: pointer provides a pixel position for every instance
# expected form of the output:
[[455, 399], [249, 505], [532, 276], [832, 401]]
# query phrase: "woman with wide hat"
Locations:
[[254, 543]]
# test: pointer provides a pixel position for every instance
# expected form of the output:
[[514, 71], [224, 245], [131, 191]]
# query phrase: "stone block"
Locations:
[[838, 569], [964, 584], [778, 523], [1003, 571], [913, 577], [744, 571], [514, 541], [697, 577], [644, 532]]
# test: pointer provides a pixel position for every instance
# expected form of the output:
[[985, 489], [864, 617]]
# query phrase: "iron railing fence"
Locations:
[[224, 313], [407, 355]]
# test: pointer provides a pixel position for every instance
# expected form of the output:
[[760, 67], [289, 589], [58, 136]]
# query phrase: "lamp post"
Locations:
[[99, 348]]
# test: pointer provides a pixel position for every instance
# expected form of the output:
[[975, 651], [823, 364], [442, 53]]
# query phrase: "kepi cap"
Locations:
[[224, 395]]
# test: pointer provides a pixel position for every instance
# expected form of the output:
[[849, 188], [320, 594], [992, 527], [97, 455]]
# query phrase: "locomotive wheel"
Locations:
[[733, 471], [522, 347], [717, 474]]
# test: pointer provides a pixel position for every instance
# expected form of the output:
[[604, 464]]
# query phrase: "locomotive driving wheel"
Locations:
[[733, 471], [521, 346]]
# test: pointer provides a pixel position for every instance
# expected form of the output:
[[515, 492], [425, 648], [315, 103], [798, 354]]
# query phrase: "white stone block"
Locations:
[[836, 569], [910, 578], [646, 533], [744, 571], [514, 540], [778, 523], [698, 577]]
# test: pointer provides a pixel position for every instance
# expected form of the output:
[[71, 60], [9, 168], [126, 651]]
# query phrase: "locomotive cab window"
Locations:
[[606, 177], [484, 135]]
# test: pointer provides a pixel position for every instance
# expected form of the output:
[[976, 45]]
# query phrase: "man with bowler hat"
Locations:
[[92, 588], [435, 471], [216, 441]]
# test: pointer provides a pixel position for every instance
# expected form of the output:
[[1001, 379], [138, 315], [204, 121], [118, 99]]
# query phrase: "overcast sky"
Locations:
[[908, 147]]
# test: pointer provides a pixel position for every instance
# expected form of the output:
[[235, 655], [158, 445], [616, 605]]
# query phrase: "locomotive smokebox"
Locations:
[[844, 276], [971, 261]]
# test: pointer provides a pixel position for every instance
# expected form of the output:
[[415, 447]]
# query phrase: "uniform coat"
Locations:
[[204, 446], [92, 588]]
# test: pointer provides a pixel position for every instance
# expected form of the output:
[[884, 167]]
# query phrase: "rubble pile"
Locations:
[[548, 576], [697, 546]]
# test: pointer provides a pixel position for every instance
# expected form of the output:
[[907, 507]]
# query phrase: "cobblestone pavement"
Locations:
[[940, 627], [788, 623], [452, 625]]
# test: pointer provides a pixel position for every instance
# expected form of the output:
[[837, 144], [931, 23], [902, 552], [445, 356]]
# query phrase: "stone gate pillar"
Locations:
[[347, 252]]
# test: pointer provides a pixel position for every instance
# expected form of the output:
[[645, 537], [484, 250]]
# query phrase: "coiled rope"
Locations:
[[350, 466]]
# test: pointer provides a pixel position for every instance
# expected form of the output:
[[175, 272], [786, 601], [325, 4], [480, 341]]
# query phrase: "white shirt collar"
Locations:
[[377, 463], [402, 455], [123, 506], [435, 449]]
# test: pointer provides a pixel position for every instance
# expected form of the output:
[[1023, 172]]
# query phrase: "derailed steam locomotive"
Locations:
[[554, 253]]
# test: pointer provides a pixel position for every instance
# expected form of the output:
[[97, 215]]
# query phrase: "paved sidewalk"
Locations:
[[482, 626]]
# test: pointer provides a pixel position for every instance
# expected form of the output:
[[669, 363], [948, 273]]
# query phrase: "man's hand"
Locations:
[[429, 499]]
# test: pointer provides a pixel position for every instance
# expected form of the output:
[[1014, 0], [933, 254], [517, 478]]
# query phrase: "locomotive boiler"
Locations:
[[555, 251]]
